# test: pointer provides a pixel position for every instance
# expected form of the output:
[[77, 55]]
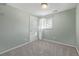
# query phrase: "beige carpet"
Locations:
[[42, 48]]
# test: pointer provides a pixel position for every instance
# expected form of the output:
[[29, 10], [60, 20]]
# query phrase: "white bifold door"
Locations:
[[33, 28]]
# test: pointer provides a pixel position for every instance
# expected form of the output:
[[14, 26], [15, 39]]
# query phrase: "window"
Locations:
[[45, 23]]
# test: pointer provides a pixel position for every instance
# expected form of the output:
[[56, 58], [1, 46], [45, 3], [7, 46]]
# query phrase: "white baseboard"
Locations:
[[59, 42], [34, 40], [16, 47], [63, 44], [77, 50]]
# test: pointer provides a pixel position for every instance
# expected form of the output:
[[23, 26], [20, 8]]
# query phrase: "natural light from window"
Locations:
[[45, 23]]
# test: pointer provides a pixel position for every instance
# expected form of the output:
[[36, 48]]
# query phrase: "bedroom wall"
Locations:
[[14, 27], [64, 27]]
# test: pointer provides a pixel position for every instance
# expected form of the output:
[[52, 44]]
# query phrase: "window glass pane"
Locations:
[[45, 23], [49, 23], [42, 23]]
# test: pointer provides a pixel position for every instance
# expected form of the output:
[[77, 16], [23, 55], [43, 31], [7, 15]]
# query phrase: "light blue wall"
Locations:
[[64, 27], [14, 27]]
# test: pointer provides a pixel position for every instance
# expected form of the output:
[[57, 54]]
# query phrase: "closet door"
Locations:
[[33, 28]]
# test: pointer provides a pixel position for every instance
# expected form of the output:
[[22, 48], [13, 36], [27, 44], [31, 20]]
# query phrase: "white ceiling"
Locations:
[[35, 8]]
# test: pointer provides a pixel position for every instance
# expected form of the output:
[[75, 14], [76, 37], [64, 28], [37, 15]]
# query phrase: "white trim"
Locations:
[[77, 50], [34, 40], [15, 47], [59, 42], [64, 44]]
